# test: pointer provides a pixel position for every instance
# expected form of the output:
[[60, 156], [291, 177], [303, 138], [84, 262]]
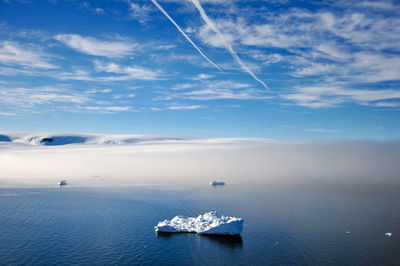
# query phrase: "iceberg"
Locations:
[[62, 183], [209, 223], [217, 183]]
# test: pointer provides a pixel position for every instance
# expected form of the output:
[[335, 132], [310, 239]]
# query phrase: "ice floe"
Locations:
[[208, 223]]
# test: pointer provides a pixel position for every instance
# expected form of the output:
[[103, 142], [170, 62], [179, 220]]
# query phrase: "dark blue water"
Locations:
[[283, 225]]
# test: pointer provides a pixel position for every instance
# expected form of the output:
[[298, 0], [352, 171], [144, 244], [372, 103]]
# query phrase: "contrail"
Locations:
[[184, 34], [214, 28]]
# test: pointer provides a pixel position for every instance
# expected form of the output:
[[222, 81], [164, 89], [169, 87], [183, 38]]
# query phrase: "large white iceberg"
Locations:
[[208, 223]]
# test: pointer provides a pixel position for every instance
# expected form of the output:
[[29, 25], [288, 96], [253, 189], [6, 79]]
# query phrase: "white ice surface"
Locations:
[[208, 223], [58, 139]]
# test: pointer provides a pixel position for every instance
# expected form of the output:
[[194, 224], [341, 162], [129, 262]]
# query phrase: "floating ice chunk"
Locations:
[[208, 223], [217, 183], [62, 183], [388, 234]]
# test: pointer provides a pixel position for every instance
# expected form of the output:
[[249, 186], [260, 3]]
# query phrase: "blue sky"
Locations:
[[293, 70]]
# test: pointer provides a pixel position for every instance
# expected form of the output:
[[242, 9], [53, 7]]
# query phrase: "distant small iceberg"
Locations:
[[209, 223], [62, 183], [388, 234], [217, 183]]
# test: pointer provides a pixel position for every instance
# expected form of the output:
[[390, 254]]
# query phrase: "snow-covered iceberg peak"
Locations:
[[208, 223]]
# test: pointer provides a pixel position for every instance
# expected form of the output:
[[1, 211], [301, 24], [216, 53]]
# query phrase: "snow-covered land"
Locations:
[[46, 139], [102, 160], [209, 223]]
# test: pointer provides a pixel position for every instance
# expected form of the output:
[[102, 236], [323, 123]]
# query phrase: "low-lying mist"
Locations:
[[199, 161]]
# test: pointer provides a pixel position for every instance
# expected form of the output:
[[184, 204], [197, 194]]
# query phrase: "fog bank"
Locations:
[[163, 160]]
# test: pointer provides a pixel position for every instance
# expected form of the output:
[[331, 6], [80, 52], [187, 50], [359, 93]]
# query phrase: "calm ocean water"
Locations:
[[283, 225]]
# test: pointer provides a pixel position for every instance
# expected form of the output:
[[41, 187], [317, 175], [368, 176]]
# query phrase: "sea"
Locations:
[[302, 224]]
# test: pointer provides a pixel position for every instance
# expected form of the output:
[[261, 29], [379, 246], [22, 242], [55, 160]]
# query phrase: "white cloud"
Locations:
[[94, 10], [126, 72], [384, 5], [48, 99], [314, 69], [98, 91], [166, 47], [107, 109], [139, 12], [219, 94], [361, 67], [109, 72], [183, 86], [317, 97], [98, 10], [215, 90], [7, 114], [76, 75], [203, 76], [30, 97], [15, 54], [184, 107], [346, 43], [93, 46], [266, 58]]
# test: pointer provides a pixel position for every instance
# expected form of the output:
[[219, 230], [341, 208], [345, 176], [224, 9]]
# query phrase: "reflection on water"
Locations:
[[283, 225], [228, 241], [233, 242]]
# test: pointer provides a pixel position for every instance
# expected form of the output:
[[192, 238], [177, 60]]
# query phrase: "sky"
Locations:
[[280, 69]]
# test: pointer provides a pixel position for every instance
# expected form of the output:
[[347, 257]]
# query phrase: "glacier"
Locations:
[[209, 223]]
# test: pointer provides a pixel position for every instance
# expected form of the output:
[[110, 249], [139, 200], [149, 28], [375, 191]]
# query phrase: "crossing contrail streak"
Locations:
[[183, 33], [214, 28]]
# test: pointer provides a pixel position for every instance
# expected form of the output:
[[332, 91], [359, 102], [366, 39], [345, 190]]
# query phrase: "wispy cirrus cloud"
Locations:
[[97, 47], [127, 72], [215, 90], [139, 12], [107, 109], [93, 9], [325, 96], [176, 106], [360, 67], [317, 37], [12, 53], [39, 96], [48, 99], [7, 114], [110, 72], [203, 76]]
